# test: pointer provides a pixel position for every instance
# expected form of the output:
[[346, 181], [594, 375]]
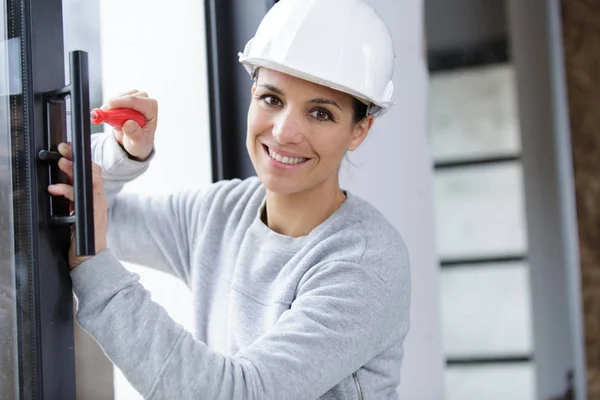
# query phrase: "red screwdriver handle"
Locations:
[[117, 117]]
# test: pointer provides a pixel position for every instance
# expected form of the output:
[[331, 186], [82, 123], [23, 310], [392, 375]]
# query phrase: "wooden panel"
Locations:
[[581, 31]]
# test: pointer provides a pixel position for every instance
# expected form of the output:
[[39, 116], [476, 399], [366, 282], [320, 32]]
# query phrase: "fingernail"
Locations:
[[64, 147]]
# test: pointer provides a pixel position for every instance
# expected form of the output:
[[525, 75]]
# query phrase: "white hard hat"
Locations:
[[341, 44]]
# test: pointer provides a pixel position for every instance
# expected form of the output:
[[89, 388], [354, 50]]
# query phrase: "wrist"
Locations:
[[136, 158], [75, 261], [132, 156], [140, 159]]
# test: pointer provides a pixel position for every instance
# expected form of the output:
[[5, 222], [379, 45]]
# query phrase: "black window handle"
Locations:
[[79, 91]]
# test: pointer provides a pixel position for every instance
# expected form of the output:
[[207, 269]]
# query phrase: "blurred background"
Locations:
[[479, 202], [477, 173]]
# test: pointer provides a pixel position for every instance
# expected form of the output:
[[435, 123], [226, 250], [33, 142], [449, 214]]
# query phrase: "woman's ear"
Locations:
[[360, 132]]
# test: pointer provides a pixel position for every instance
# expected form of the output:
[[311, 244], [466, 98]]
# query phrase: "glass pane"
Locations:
[[165, 55], [160, 50], [486, 310], [81, 32], [94, 372], [473, 113], [480, 211], [10, 86], [491, 382]]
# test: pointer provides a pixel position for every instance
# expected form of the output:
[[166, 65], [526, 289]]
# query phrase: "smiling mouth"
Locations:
[[283, 159]]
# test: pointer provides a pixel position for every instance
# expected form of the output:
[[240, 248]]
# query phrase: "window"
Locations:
[[479, 199], [481, 234]]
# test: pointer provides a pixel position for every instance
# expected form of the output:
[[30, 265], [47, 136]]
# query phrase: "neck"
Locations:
[[298, 214]]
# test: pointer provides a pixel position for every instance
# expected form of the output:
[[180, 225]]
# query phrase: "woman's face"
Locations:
[[298, 132]]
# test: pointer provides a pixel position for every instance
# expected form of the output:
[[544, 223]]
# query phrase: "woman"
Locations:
[[301, 289]]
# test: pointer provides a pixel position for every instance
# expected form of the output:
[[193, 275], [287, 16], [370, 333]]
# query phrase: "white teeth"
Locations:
[[285, 160]]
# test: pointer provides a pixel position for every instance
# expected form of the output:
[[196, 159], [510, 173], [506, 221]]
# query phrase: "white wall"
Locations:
[[393, 171]]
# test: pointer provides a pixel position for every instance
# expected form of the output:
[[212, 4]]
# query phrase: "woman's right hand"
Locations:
[[138, 142]]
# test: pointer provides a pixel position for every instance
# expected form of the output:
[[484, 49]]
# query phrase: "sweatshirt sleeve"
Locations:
[[142, 229], [342, 317], [117, 167]]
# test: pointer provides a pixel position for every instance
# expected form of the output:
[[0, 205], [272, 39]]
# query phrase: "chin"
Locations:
[[279, 185]]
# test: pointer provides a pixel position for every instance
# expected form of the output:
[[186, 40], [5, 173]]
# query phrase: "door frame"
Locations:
[[553, 252], [44, 294]]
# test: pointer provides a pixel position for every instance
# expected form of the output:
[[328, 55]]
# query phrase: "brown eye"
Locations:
[[322, 115], [272, 101]]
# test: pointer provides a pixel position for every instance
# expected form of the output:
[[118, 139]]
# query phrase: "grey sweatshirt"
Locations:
[[320, 316]]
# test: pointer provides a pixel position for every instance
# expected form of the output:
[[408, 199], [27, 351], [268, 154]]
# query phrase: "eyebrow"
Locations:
[[275, 89], [325, 101], [272, 88]]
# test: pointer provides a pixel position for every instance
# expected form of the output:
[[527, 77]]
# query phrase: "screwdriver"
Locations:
[[117, 117]]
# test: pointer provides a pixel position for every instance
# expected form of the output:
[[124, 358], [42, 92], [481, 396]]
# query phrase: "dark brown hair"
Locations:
[[360, 110]]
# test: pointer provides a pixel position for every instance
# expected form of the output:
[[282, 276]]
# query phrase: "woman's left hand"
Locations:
[[100, 206]]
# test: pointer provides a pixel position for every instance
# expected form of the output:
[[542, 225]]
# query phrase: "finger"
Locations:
[[66, 166], [118, 133], [105, 106], [141, 144], [127, 93], [133, 130], [144, 105], [66, 150], [62, 189]]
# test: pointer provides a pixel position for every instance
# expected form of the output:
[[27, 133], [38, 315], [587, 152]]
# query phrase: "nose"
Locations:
[[288, 128]]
